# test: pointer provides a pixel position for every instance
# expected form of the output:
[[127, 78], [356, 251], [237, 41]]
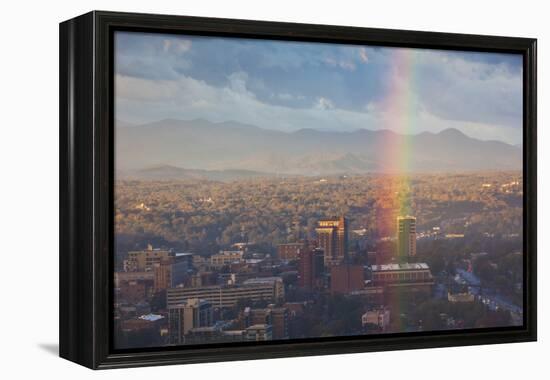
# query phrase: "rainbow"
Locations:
[[399, 106]]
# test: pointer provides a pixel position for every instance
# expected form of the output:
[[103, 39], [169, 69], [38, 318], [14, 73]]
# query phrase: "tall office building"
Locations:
[[310, 268], [406, 236], [163, 274], [332, 235], [346, 278], [170, 272], [186, 316]]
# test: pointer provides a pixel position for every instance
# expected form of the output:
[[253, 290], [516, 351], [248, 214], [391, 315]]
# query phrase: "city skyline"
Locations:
[[270, 190], [201, 308]]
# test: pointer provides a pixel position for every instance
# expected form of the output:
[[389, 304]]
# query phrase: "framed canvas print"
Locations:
[[236, 189]]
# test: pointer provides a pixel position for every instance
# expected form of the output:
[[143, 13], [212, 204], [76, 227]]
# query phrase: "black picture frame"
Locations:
[[86, 188]]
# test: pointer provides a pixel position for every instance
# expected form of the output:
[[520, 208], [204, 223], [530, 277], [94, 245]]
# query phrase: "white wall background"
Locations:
[[29, 187]]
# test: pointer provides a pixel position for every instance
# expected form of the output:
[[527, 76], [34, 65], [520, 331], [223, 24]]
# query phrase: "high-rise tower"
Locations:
[[406, 236], [333, 240]]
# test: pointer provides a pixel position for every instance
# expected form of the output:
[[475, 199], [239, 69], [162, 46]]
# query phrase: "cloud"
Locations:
[[145, 100], [141, 89], [289, 97], [343, 64], [363, 56], [292, 85], [237, 82], [323, 104], [176, 45], [152, 56], [453, 87]]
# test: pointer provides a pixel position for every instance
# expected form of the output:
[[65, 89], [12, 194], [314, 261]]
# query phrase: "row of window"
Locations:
[[401, 276]]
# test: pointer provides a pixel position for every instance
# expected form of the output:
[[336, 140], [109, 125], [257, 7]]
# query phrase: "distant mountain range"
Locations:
[[177, 149]]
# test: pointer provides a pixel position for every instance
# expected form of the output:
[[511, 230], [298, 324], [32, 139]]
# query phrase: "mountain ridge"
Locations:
[[204, 145], [170, 172]]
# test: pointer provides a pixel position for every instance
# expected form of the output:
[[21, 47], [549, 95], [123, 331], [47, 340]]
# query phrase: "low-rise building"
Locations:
[[144, 322], [214, 334], [139, 331], [379, 318], [291, 251], [225, 258], [225, 296], [260, 332], [405, 276], [460, 297], [121, 277], [277, 317], [276, 282], [139, 261]]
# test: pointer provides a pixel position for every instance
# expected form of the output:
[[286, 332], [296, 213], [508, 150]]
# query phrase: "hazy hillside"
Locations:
[[167, 172], [170, 148]]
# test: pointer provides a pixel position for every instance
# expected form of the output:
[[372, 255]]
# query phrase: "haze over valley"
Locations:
[[178, 149]]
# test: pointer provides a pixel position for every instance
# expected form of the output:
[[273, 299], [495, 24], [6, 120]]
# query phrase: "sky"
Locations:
[[288, 86]]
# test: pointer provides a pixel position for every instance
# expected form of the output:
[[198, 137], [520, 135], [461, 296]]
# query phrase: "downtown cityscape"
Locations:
[[318, 276], [270, 190]]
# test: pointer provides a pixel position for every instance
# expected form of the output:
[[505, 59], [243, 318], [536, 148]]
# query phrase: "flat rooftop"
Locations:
[[398, 267], [258, 326], [262, 280], [253, 261], [228, 253], [151, 317]]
